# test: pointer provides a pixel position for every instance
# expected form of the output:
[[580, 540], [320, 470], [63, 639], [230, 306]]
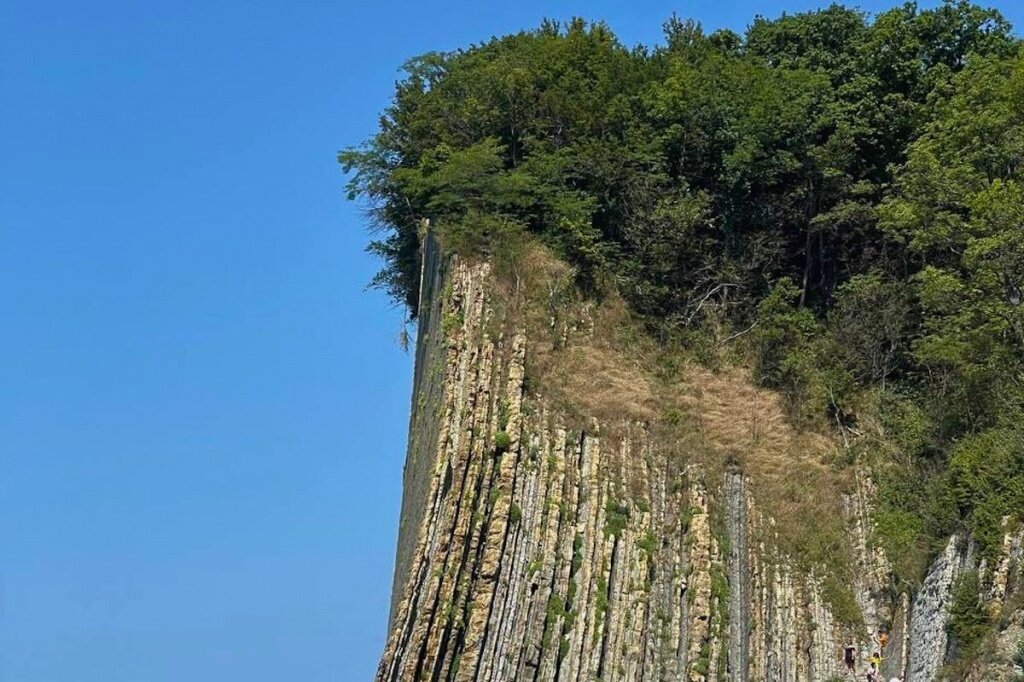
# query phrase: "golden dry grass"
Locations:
[[593, 361], [601, 386], [748, 423]]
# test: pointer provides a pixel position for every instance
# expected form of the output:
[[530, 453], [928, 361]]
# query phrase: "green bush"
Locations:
[[987, 482], [616, 516], [907, 424], [502, 442], [648, 544], [915, 515], [967, 620]]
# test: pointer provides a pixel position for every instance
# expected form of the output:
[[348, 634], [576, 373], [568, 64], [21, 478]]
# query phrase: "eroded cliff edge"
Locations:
[[540, 542]]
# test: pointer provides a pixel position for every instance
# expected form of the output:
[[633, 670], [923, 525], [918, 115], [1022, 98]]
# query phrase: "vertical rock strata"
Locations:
[[532, 549], [929, 614]]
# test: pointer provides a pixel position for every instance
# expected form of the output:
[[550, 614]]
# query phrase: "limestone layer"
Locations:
[[534, 550]]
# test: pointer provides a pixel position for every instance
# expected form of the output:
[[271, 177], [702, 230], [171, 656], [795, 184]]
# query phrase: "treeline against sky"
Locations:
[[846, 190]]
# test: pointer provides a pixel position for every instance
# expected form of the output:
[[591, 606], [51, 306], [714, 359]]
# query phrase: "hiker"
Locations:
[[875, 674], [850, 656], [883, 639]]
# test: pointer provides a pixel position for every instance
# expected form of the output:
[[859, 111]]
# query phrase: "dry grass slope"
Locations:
[[593, 361]]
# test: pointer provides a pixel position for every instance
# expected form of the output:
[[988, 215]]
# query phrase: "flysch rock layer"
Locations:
[[530, 550]]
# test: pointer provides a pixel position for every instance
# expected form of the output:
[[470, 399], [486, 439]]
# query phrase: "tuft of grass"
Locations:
[[616, 516], [451, 322], [502, 442], [648, 544]]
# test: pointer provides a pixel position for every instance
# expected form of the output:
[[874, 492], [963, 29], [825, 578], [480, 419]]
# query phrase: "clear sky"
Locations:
[[202, 414]]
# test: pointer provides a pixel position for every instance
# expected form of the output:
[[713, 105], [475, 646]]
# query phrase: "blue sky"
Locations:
[[202, 413]]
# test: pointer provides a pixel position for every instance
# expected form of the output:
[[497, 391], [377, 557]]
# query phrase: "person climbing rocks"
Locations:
[[874, 673], [850, 656], [883, 639]]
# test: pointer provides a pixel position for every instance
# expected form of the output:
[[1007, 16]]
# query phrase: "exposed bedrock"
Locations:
[[541, 548], [929, 612]]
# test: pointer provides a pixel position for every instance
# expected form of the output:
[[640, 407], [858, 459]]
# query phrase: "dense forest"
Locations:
[[843, 193]]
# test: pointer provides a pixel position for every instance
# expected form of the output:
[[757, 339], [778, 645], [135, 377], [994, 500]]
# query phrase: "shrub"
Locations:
[[967, 620], [502, 442], [616, 515], [987, 482]]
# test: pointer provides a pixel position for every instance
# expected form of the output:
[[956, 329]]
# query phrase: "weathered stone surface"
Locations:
[[544, 553], [929, 612], [1004, 653]]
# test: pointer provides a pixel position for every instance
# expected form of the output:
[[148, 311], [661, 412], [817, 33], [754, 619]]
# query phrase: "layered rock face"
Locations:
[[929, 616], [536, 547]]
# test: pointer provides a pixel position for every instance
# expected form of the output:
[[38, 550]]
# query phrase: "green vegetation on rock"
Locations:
[[837, 197], [967, 620]]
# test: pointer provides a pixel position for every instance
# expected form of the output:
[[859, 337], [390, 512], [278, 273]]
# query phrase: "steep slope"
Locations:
[[725, 375], [539, 542]]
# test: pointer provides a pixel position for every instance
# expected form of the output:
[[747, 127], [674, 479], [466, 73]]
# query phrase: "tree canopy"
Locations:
[[849, 187]]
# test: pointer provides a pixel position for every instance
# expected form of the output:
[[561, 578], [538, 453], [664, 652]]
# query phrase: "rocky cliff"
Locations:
[[547, 541]]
